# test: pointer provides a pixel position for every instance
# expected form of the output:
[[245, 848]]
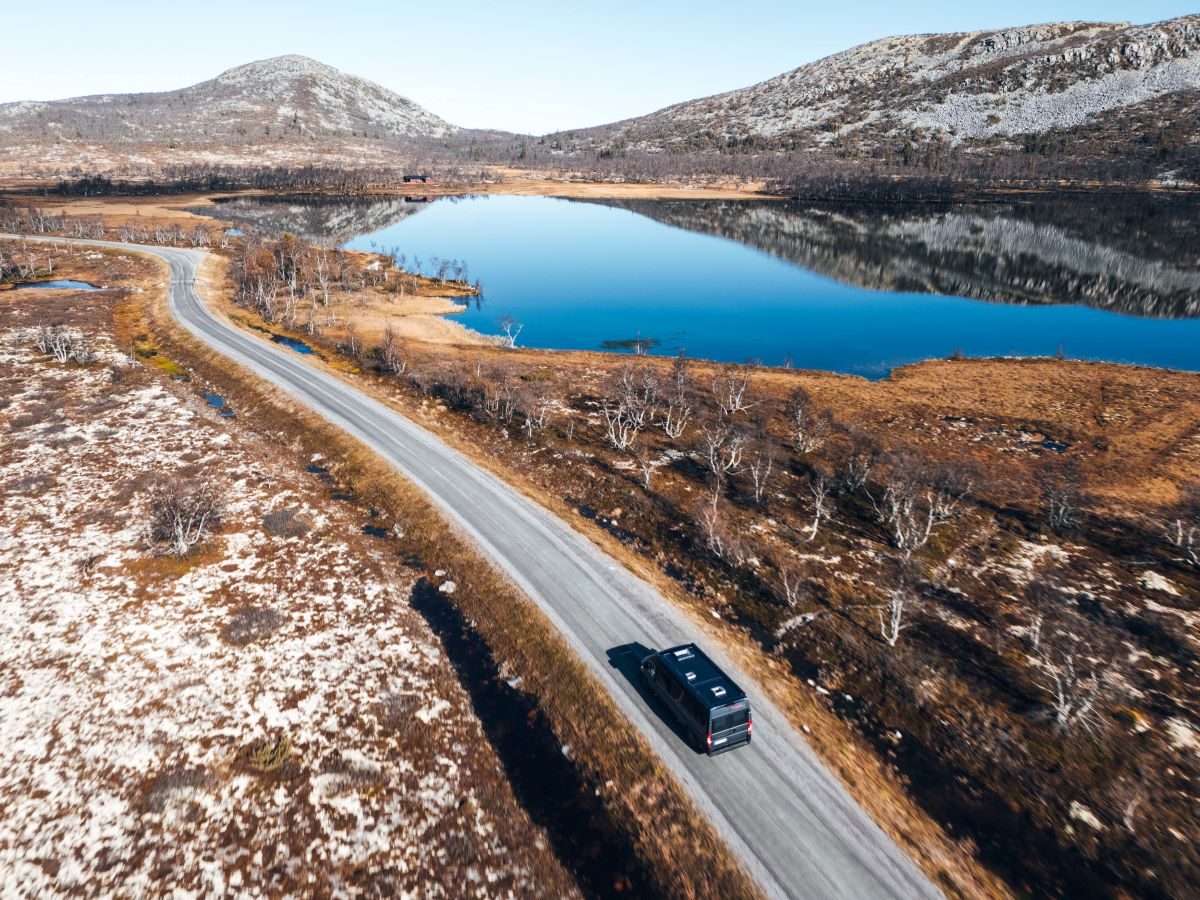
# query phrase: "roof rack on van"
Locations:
[[700, 677]]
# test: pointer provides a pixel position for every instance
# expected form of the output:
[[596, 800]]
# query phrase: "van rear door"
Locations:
[[729, 726]]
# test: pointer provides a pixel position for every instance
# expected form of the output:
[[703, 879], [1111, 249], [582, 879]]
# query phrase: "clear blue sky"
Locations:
[[522, 65]]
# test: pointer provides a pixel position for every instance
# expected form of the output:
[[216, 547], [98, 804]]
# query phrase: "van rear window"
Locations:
[[723, 720]]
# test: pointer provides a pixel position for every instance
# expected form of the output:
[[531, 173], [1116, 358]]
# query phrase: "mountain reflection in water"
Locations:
[[1137, 255]]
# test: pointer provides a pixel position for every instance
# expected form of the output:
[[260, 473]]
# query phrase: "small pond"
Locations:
[[62, 284]]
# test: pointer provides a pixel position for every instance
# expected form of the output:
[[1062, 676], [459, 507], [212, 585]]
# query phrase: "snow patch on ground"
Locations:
[[242, 718]]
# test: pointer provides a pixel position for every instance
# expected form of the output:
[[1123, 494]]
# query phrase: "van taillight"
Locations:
[[710, 740], [749, 725]]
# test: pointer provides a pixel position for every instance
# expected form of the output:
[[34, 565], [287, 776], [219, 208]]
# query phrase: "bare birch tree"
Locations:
[[760, 463], [790, 578], [393, 352], [1062, 496], [809, 426], [722, 446], [918, 498], [861, 459], [646, 465], [677, 398], [619, 426], [512, 330], [1077, 683], [637, 393], [183, 513], [818, 491], [891, 615], [730, 390], [723, 543], [536, 401]]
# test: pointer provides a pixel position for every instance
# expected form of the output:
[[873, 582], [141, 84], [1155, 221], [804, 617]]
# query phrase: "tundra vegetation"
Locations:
[[997, 594], [175, 540], [983, 571], [211, 579]]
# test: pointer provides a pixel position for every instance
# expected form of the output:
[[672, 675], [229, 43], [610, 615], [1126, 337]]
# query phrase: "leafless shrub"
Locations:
[[809, 426], [730, 388], [353, 344], [25, 484], [722, 446], [286, 522], [397, 710], [63, 344], [1182, 526], [676, 396], [496, 394], [512, 330], [891, 615], [760, 463], [200, 236], [357, 772], [1041, 598], [252, 624], [536, 402], [393, 353], [861, 459], [178, 786], [1062, 496], [620, 427], [817, 494], [38, 414], [919, 497], [1077, 683], [790, 580], [637, 393], [720, 540], [183, 513], [646, 466]]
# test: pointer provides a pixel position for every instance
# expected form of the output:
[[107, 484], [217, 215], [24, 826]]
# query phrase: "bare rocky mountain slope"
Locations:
[[1113, 101], [951, 88], [289, 100]]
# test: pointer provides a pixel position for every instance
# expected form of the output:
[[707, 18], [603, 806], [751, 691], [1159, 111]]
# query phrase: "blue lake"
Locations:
[[856, 290]]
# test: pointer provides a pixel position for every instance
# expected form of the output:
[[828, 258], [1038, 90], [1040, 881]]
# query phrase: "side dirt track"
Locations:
[[795, 828]]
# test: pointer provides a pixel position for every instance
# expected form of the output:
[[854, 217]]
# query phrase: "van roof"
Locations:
[[703, 679]]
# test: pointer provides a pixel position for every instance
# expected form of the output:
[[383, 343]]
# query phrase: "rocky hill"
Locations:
[[288, 101], [971, 89]]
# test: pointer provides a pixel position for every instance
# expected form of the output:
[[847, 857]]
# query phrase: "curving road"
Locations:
[[795, 828]]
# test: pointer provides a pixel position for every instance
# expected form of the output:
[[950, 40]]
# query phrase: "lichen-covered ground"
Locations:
[[267, 716]]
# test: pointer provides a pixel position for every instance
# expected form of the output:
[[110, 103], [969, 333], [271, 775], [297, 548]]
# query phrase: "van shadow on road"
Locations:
[[627, 659], [556, 794]]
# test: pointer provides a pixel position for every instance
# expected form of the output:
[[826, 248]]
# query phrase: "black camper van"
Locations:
[[714, 710]]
